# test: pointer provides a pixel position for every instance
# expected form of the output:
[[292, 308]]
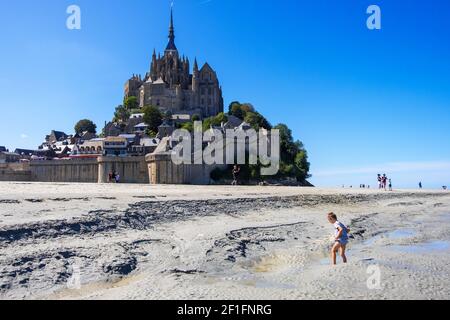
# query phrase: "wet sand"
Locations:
[[87, 241]]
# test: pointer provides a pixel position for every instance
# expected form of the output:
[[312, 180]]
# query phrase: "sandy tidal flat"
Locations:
[[88, 241]]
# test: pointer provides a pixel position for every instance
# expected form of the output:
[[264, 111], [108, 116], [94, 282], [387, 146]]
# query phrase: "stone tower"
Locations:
[[170, 86]]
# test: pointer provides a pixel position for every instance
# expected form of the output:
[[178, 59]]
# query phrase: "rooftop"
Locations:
[[115, 139], [141, 125]]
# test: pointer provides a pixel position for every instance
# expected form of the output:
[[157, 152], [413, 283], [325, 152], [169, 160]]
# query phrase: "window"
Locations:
[[209, 91]]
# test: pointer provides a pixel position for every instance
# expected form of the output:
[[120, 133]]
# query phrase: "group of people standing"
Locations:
[[384, 182], [113, 177]]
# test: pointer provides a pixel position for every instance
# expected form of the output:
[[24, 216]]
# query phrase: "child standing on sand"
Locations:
[[341, 238]]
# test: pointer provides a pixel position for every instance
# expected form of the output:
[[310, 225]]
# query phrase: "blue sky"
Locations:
[[362, 101]]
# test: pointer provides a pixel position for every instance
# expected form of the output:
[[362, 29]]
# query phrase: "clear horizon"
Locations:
[[363, 102]]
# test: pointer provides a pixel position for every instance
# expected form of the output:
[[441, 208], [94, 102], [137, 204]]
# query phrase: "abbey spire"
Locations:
[[171, 45]]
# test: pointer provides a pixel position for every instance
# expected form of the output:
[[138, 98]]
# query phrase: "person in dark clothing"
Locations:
[[235, 172]]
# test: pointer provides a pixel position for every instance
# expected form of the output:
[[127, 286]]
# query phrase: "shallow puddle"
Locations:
[[424, 247], [393, 235]]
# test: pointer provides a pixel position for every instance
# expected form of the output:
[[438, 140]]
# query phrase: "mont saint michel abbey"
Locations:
[[171, 87]]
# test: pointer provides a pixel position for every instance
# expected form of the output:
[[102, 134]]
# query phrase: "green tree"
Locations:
[[121, 114], [131, 103], [153, 118], [294, 157], [236, 110], [247, 107], [214, 121], [219, 119], [189, 126], [302, 165], [85, 125], [257, 121], [231, 105]]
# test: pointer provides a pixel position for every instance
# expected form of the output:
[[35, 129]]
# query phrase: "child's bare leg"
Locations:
[[342, 253], [334, 250]]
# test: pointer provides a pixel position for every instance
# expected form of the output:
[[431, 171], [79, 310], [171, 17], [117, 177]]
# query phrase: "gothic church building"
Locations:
[[171, 87]]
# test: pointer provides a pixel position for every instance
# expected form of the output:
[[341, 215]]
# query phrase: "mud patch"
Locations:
[[34, 200], [405, 204], [240, 243], [69, 199], [7, 201], [180, 272], [120, 266]]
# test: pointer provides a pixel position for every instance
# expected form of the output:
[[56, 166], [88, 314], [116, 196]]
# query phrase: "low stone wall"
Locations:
[[15, 172], [162, 170], [154, 169], [84, 171], [130, 169]]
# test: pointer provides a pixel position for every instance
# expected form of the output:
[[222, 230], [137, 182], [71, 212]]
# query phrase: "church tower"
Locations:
[[170, 86], [171, 47]]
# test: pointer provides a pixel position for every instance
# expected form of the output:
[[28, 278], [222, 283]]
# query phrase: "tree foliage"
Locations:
[[247, 113], [153, 118], [121, 114], [131, 103], [85, 125], [293, 156], [215, 121]]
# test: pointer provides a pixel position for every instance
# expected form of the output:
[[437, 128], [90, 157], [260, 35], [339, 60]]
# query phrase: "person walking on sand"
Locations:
[[390, 185], [420, 185], [235, 172], [341, 238], [384, 181], [117, 178], [380, 184]]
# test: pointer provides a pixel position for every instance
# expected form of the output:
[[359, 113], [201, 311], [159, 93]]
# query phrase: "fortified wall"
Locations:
[[85, 171], [153, 169], [15, 172], [130, 169], [162, 170]]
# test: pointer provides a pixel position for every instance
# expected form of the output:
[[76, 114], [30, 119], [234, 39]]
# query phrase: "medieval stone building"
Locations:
[[170, 85]]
